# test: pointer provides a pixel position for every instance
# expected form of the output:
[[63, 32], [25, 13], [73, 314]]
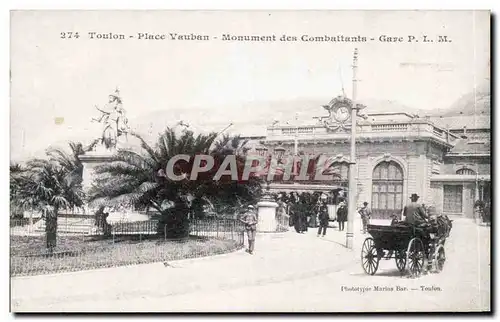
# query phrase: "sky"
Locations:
[[65, 78]]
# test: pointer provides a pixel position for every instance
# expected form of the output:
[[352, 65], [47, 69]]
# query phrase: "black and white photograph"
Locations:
[[250, 161]]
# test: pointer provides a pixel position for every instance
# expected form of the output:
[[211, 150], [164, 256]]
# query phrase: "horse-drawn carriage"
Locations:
[[412, 246]]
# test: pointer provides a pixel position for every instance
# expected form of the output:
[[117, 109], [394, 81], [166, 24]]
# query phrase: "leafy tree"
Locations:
[[49, 185], [16, 170], [45, 187], [138, 179]]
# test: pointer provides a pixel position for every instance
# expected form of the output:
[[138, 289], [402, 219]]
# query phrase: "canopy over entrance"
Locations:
[[297, 187]]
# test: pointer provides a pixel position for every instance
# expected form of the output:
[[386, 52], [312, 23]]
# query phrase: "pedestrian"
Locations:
[[292, 201], [342, 215], [301, 215], [295, 210], [365, 213], [313, 221], [250, 221], [479, 210], [323, 220], [486, 215], [281, 216]]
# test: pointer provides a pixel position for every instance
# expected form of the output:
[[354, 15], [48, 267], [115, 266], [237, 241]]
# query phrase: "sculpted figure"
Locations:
[[113, 120]]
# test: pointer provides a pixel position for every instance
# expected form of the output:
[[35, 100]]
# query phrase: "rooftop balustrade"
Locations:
[[415, 129]]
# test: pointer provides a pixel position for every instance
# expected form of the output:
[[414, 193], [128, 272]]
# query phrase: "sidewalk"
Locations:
[[278, 257], [290, 273]]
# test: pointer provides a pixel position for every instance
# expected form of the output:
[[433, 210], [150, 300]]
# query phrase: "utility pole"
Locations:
[[352, 164]]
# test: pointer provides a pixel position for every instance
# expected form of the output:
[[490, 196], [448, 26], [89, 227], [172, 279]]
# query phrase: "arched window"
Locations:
[[387, 190], [340, 172], [466, 171]]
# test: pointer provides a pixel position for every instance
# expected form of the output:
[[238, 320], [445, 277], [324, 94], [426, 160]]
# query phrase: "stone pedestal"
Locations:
[[267, 216], [90, 160]]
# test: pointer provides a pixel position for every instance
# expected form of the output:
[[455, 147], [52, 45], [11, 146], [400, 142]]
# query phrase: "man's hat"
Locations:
[[414, 196], [365, 203], [250, 207]]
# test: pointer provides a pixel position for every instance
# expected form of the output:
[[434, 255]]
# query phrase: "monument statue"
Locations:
[[113, 120]]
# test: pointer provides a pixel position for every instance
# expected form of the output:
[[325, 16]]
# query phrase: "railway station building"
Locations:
[[445, 159]]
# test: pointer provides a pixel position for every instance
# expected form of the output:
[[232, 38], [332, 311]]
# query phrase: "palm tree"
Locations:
[[16, 170], [232, 145], [137, 179], [45, 187]]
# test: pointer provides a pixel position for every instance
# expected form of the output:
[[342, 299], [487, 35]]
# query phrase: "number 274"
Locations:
[[69, 35]]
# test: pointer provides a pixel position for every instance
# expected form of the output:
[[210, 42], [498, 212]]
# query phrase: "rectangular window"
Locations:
[[452, 198]]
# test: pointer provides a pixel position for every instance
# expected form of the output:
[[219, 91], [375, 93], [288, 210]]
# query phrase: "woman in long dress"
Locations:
[[313, 221]]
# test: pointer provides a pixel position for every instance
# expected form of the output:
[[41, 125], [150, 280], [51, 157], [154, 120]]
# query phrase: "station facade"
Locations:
[[444, 159]]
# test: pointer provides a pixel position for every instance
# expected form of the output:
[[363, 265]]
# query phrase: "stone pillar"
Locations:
[[267, 216], [364, 180], [414, 178]]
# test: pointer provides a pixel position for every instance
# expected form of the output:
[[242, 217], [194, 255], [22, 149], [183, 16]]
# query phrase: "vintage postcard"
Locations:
[[250, 161]]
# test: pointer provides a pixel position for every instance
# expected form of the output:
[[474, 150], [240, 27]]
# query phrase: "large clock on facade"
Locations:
[[342, 113], [340, 109]]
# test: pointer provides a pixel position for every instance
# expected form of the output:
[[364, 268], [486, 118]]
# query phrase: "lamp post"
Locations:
[[352, 164]]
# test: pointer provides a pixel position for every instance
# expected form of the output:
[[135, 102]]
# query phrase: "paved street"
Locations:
[[289, 272]]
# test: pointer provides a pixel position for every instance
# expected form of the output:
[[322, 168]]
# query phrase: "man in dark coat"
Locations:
[[302, 213], [323, 219], [342, 215], [296, 211], [292, 201]]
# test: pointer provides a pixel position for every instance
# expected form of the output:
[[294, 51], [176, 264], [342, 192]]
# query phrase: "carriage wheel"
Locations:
[[369, 258], [439, 259], [400, 260], [415, 257]]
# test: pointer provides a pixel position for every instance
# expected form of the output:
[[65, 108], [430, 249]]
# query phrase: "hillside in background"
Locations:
[[465, 104], [252, 119]]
